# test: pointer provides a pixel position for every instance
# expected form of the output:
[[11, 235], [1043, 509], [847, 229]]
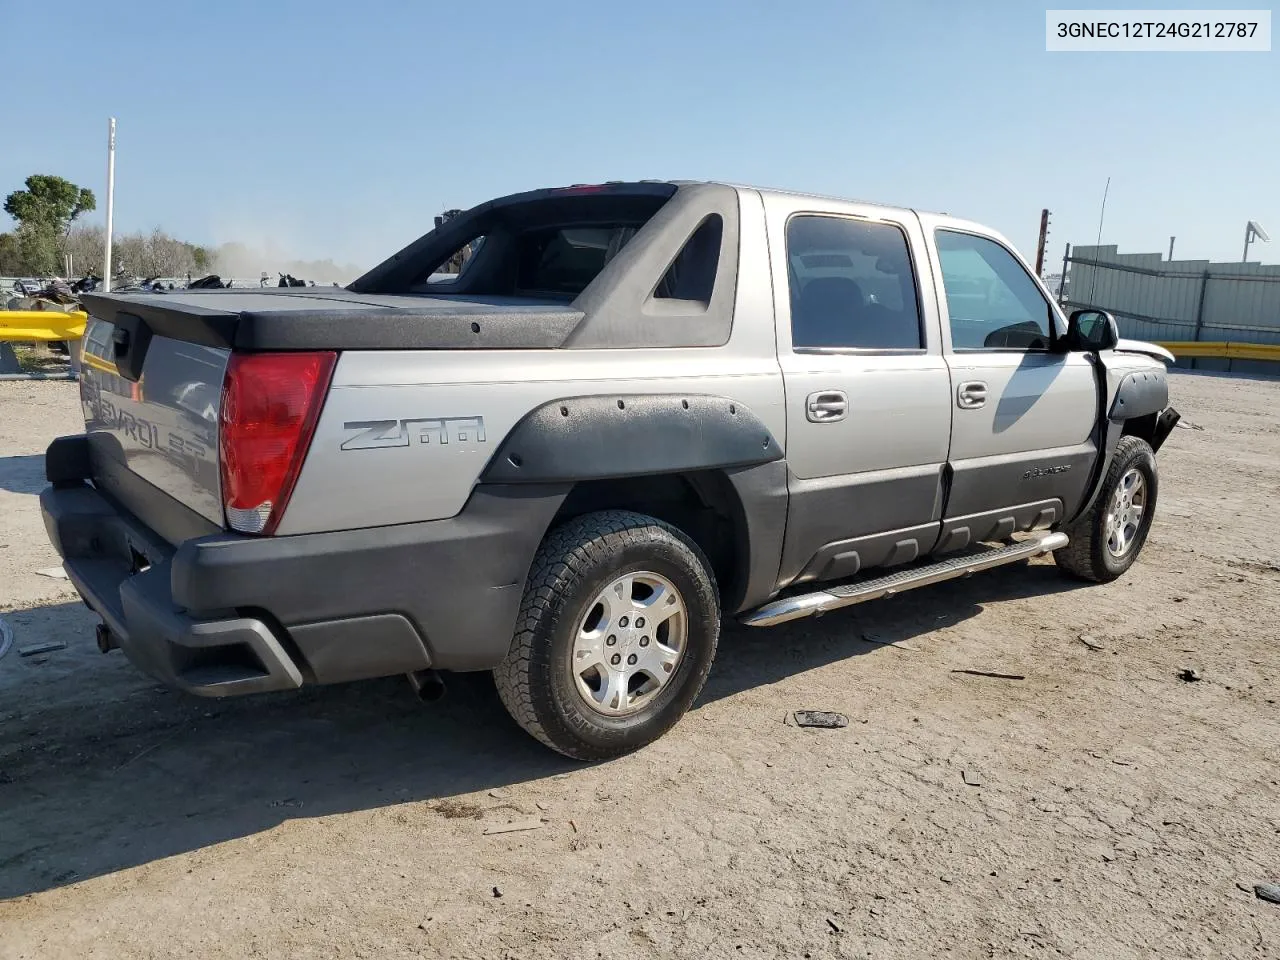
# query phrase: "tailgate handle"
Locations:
[[129, 343]]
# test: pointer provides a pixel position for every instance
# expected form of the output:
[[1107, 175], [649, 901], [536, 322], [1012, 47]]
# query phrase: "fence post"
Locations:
[[1195, 335], [1062, 280], [1044, 233]]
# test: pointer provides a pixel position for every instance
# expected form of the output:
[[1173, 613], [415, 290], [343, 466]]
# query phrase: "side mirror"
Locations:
[[1092, 330]]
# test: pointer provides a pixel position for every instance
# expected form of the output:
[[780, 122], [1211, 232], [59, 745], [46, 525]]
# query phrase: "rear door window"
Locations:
[[852, 285]]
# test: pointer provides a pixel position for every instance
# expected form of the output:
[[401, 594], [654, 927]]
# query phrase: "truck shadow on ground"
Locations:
[[22, 474], [101, 770]]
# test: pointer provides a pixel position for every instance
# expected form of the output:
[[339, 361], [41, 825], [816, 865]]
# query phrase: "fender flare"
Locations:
[[629, 435], [1138, 394]]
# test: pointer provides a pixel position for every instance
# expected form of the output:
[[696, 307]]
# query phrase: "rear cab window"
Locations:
[[545, 245], [852, 284], [556, 262], [601, 251], [562, 261]]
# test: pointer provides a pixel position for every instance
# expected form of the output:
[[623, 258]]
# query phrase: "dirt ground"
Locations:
[[1101, 807]]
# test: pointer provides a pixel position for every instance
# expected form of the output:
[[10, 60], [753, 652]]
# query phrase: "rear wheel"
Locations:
[[1107, 539], [616, 635]]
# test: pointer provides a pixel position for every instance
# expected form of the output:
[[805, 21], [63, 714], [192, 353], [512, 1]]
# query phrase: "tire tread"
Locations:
[[567, 553], [1082, 556]]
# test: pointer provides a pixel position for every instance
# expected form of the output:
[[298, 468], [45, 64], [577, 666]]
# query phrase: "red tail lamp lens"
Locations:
[[270, 405]]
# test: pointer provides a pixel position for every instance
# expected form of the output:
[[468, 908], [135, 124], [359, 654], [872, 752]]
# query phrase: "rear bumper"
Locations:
[[226, 614]]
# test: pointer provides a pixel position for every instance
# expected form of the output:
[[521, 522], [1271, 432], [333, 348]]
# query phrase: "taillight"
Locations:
[[270, 405]]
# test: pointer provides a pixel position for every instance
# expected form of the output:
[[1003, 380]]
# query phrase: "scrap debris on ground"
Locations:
[[994, 675], [820, 718]]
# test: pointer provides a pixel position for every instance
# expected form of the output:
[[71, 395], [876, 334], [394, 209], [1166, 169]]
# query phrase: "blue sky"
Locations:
[[332, 128]]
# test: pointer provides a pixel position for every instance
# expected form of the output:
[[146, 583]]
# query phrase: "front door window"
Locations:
[[992, 301]]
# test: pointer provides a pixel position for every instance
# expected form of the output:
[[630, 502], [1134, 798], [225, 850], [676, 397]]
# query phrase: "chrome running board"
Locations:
[[844, 595]]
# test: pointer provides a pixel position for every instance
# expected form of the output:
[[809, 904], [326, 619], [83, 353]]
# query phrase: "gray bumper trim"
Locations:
[[207, 657], [228, 614]]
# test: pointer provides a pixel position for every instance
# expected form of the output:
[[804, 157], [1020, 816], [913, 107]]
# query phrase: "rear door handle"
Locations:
[[971, 394], [826, 406]]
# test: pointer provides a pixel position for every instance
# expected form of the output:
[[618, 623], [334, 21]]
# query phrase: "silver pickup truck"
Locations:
[[566, 432]]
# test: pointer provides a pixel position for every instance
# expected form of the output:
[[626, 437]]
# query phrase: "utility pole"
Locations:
[[1044, 235], [111, 197]]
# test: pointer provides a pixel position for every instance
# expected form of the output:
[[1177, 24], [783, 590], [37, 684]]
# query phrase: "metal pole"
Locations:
[[1248, 237], [1044, 232], [1062, 280], [1093, 285], [1171, 239], [1204, 285], [111, 197]]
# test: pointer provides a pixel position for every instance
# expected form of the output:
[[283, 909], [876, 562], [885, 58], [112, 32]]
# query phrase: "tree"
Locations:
[[45, 211], [128, 254], [155, 254], [85, 244], [10, 255], [49, 203], [38, 249]]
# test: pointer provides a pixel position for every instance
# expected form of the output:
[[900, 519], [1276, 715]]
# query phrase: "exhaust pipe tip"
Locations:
[[106, 640], [427, 684]]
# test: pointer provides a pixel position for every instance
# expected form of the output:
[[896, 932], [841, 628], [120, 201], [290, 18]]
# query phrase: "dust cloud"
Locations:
[[243, 261]]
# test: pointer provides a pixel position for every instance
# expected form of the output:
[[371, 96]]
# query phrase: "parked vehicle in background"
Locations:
[[637, 408]]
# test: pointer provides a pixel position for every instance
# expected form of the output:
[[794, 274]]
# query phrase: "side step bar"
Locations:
[[833, 598]]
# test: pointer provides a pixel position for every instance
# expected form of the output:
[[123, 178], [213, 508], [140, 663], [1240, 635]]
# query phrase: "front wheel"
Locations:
[[1107, 539], [617, 631]]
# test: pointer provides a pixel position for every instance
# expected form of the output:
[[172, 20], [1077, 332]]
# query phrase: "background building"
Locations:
[[1183, 301]]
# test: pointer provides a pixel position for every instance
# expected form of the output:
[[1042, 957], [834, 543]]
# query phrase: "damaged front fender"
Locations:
[[1164, 426]]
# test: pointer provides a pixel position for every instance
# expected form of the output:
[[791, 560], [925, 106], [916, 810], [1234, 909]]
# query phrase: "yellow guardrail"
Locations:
[[51, 325], [1223, 349], [47, 325]]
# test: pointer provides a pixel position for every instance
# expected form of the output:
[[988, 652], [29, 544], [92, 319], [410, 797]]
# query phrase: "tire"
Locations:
[[546, 680], [1092, 554]]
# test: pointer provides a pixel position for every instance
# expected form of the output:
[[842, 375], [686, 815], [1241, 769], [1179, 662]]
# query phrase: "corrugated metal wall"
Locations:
[[1157, 299]]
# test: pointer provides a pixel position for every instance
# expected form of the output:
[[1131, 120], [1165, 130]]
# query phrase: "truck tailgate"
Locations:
[[156, 435], [154, 367]]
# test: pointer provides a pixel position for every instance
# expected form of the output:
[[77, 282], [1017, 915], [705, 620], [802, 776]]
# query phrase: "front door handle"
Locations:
[[971, 394], [826, 406]]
